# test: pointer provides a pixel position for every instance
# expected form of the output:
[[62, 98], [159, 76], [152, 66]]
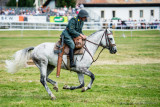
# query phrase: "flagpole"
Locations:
[[16, 3]]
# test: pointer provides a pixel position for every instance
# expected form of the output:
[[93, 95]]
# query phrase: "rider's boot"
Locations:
[[72, 64]]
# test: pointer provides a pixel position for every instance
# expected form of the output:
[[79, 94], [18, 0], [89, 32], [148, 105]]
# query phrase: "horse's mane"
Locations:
[[95, 32]]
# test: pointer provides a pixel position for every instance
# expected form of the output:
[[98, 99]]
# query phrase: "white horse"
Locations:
[[46, 60]]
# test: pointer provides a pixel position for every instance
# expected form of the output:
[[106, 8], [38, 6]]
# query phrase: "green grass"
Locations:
[[129, 78]]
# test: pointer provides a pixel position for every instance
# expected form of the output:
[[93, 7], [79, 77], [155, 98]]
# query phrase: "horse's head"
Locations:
[[108, 41]]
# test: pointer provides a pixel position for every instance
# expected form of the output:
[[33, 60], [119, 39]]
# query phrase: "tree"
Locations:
[[11, 3], [68, 3], [21, 3], [71, 3]]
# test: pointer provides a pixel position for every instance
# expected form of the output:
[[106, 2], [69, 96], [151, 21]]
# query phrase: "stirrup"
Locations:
[[74, 65]]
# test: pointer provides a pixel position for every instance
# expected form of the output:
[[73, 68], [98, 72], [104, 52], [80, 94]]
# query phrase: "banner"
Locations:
[[37, 19], [58, 19], [21, 18], [9, 18]]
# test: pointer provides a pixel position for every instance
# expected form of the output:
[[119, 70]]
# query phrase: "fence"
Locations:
[[87, 26]]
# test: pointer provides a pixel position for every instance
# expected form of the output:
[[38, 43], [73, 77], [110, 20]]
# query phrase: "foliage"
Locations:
[[21, 3], [67, 3]]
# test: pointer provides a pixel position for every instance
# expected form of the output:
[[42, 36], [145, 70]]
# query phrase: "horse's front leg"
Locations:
[[91, 75], [81, 81]]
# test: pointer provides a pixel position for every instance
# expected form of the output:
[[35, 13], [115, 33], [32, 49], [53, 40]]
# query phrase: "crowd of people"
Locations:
[[7, 11], [42, 11], [72, 12], [134, 24]]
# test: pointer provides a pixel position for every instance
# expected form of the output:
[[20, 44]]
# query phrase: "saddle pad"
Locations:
[[66, 49]]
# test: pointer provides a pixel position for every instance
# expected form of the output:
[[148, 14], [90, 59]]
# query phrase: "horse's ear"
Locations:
[[106, 31], [111, 31]]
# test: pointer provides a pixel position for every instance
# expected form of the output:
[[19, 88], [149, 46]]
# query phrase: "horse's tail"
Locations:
[[19, 60]]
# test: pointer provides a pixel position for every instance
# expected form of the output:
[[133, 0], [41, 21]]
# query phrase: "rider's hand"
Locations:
[[83, 36]]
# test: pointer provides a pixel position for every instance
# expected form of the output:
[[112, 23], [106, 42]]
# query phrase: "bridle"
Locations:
[[107, 40], [109, 45]]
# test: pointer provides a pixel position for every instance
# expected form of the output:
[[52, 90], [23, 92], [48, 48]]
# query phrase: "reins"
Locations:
[[107, 46]]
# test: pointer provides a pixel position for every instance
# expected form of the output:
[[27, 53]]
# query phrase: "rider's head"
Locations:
[[83, 14]]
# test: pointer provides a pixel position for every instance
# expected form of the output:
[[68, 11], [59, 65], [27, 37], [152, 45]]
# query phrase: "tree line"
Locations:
[[30, 3]]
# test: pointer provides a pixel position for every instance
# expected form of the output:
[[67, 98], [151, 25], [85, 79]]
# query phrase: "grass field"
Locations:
[[129, 78]]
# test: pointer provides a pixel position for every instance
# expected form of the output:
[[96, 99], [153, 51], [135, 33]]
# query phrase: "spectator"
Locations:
[[61, 12], [48, 10], [77, 11], [9, 11], [3, 11], [39, 11], [55, 11], [43, 9], [70, 10], [77, 7], [81, 6], [6, 12], [27, 12], [69, 16], [13, 12], [65, 9], [33, 12], [23, 12], [73, 10]]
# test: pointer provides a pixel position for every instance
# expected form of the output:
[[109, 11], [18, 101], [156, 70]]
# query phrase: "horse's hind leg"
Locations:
[[50, 68], [43, 71], [81, 81]]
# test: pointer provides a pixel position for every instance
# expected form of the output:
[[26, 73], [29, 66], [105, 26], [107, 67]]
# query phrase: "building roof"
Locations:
[[118, 1]]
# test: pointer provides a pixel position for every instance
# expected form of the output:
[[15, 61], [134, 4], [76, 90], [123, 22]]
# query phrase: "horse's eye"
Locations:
[[110, 38]]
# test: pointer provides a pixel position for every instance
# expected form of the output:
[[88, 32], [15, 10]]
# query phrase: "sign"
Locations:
[[21, 18], [36, 19], [9, 18], [58, 19]]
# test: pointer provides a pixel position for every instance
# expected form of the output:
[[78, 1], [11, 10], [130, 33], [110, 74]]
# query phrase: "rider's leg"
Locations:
[[71, 56], [70, 43]]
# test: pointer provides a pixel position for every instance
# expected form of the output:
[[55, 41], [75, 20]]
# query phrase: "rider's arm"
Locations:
[[83, 36], [81, 29], [71, 28]]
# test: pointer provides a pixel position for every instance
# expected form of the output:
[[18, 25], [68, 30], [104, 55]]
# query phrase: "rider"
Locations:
[[74, 29]]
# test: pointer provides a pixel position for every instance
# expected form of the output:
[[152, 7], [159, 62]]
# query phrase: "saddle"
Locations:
[[62, 49]]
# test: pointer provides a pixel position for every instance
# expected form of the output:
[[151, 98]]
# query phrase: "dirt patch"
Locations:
[[115, 62], [128, 62]]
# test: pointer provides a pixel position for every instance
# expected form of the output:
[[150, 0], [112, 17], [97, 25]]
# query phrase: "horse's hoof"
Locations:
[[53, 98], [83, 89], [55, 88], [66, 87]]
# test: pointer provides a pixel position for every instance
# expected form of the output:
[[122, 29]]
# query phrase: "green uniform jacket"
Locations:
[[73, 29]]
